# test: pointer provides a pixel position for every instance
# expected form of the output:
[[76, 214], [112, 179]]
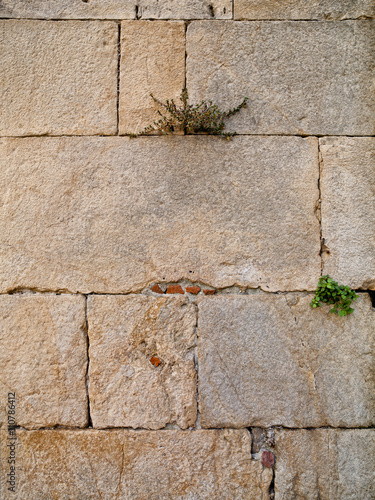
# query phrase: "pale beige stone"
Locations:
[[301, 78], [152, 61], [58, 78], [116, 9], [65, 464], [43, 360], [68, 9], [325, 463], [304, 9], [142, 371], [348, 209], [120, 464], [117, 214], [273, 360], [185, 9]]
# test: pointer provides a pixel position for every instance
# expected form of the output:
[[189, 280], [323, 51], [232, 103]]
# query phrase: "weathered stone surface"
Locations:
[[117, 9], [348, 209], [58, 78], [300, 78], [303, 9], [152, 61], [68, 9], [185, 9], [141, 371], [43, 359], [325, 463], [117, 214], [137, 464], [273, 360]]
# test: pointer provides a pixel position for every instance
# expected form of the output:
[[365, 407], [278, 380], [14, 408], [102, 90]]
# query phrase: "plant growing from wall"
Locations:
[[330, 292], [204, 117]]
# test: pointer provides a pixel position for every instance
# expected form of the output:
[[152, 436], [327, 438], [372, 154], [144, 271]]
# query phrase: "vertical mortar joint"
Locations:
[[86, 328], [118, 77], [319, 208]]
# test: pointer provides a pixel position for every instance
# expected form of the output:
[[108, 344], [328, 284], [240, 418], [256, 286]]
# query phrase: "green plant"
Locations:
[[330, 292], [204, 117]]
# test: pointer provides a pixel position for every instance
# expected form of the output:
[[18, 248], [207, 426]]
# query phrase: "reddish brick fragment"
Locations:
[[156, 288], [155, 361], [209, 292], [175, 289], [268, 459], [193, 289]]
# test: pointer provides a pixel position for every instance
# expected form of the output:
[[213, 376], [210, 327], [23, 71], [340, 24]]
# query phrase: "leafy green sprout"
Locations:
[[330, 292], [204, 117]]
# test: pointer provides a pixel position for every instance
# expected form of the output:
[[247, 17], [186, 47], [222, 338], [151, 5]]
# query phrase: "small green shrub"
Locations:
[[204, 117], [330, 292]]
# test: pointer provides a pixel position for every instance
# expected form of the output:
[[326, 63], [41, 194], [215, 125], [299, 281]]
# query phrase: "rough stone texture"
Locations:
[[138, 464], [117, 9], [152, 61], [300, 77], [58, 78], [43, 359], [348, 209], [127, 387], [68, 9], [326, 464], [304, 9], [273, 360], [185, 9], [118, 214]]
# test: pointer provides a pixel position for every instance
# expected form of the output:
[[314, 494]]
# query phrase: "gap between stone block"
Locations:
[[118, 76], [318, 206], [86, 328], [196, 363]]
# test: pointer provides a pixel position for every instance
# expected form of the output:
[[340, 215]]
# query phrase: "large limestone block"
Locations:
[[303, 9], [152, 61], [58, 78], [43, 360], [301, 78], [68, 9], [116, 214], [137, 464], [326, 464], [348, 209], [273, 360], [142, 371], [185, 9], [116, 9], [65, 464]]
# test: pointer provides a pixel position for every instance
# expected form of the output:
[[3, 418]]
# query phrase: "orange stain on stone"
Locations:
[[155, 361]]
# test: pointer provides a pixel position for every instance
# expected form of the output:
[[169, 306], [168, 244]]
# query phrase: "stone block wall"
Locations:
[[156, 337]]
